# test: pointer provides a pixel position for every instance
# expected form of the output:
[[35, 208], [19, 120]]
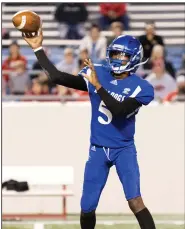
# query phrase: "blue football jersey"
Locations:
[[107, 130]]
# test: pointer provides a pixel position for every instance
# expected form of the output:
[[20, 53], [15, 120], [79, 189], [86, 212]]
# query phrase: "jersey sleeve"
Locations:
[[144, 94], [87, 71]]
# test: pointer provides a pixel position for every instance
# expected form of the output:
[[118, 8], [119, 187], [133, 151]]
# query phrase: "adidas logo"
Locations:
[[93, 148], [114, 82], [95, 91]]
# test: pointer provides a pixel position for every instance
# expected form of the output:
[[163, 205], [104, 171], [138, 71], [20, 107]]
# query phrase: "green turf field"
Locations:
[[119, 226], [127, 222]]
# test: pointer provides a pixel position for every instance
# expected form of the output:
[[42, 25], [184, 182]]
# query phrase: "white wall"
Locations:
[[55, 134]]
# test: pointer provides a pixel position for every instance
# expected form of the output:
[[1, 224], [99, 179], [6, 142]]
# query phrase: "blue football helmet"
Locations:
[[128, 46]]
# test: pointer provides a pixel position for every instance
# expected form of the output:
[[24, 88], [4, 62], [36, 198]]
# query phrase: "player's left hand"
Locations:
[[93, 79]]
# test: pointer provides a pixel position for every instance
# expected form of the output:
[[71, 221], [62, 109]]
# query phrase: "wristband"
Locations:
[[37, 49]]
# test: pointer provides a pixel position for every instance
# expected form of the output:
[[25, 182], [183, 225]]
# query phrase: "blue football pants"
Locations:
[[97, 168]]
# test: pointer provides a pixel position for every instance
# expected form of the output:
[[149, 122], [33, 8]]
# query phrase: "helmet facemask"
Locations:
[[119, 61], [118, 58], [123, 60]]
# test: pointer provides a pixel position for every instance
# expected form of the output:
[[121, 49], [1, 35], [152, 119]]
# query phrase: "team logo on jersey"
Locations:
[[126, 91], [114, 82], [95, 91]]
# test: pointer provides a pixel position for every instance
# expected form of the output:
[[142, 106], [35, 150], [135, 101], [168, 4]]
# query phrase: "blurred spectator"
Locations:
[[19, 81], [159, 53], [82, 56], [5, 36], [45, 88], [117, 30], [179, 94], [112, 12], [63, 91], [69, 63], [39, 88], [71, 18], [162, 82], [36, 67], [15, 62], [150, 39], [36, 88], [95, 43]]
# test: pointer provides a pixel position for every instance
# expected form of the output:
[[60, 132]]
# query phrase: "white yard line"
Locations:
[[99, 222]]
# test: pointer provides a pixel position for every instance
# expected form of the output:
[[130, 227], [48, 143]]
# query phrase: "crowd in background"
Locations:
[[168, 84]]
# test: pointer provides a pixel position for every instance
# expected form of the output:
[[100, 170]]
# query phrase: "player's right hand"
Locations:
[[34, 41], [92, 78]]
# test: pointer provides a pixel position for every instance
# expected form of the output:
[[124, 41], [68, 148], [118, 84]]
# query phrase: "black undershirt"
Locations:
[[58, 77], [117, 108]]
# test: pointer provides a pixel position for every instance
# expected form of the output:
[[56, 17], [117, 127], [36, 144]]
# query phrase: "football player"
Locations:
[[116, 95]]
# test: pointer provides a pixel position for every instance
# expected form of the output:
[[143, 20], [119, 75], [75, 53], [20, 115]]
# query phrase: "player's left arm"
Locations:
[[129, 105], [117, 108]]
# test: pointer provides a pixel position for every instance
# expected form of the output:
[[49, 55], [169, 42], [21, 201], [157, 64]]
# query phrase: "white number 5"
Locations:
[[106, 112]]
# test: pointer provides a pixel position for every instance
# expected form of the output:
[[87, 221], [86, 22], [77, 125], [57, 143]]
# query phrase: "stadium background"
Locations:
[[165, 179]]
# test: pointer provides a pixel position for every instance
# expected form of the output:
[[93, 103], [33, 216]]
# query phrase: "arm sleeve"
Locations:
[[58, 77], [117, 108]]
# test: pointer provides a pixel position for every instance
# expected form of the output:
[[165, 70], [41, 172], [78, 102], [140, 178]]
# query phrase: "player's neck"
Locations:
[[121, 76]]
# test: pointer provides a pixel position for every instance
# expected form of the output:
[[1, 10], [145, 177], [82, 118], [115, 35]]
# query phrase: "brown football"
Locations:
[[26, 21]]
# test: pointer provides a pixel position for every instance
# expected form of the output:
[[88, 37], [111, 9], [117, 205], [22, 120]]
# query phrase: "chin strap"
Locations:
[[144, 62], [128, 70]]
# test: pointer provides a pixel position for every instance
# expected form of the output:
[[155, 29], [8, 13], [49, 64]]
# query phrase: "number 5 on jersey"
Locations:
[[106, 112]]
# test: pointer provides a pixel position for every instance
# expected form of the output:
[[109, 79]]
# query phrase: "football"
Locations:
[[26, 21]]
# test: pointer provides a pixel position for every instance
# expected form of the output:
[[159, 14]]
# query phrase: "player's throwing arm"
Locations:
[[30, 25]]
